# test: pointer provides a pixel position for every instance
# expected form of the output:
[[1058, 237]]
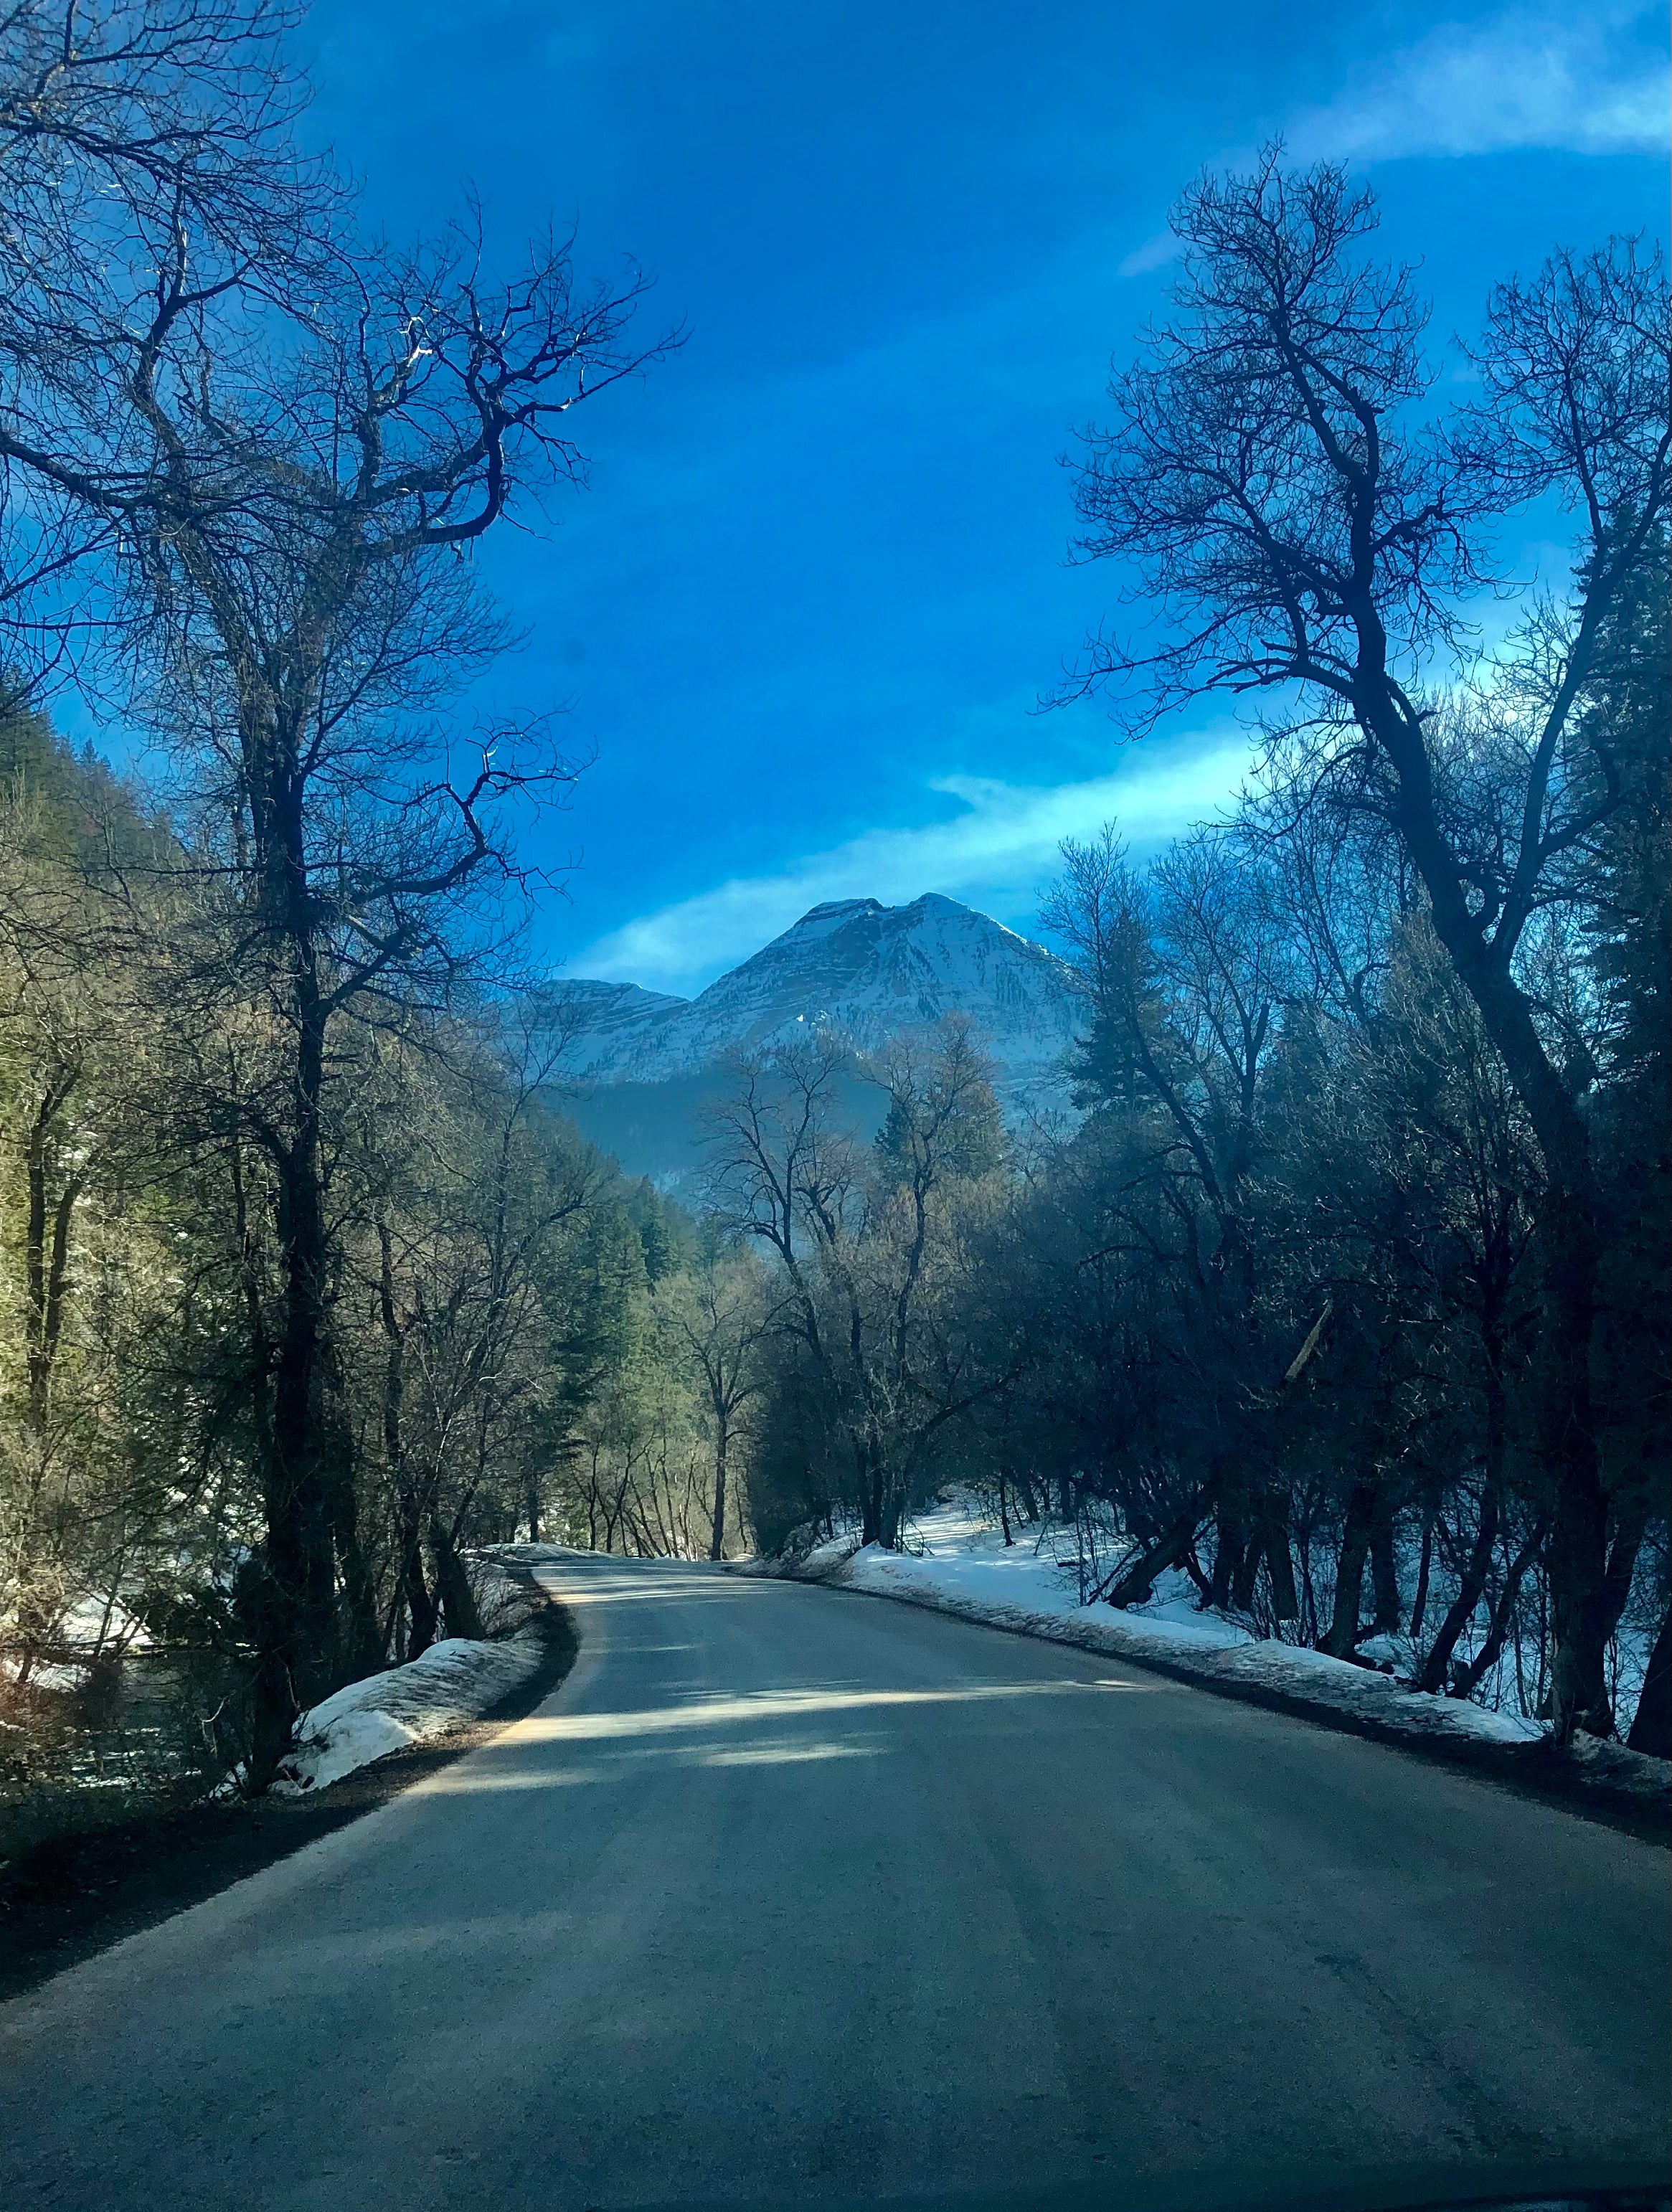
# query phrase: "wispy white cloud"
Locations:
[[1524, 77], [1154, 254], [1000, 843]]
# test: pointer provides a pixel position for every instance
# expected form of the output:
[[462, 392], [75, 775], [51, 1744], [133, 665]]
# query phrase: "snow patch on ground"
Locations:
[[457, 1679], [1022, 1591], [964, 1567], [957, 1549], [454, 1680]]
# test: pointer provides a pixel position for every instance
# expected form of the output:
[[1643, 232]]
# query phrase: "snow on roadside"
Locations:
[[966, 1569], [965, 1554], [454, 1680]]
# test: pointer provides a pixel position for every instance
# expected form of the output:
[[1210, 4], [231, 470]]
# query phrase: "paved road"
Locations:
[[790, 1894]]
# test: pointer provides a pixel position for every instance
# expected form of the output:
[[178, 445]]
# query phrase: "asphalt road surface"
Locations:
[[790, 1895]]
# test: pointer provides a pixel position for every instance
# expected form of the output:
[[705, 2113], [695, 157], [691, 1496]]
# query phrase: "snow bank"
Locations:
[[454, 1680], [965, 1554], [457, 1679], [966, 1569]]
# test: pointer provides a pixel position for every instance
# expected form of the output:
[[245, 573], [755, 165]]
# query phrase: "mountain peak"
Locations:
[[868, 972], [837, 913], [839, 909], [871, 971], [834, 914]]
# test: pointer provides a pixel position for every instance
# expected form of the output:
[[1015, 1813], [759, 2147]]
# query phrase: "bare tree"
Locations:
[[288, 444], [1300, 529], [130, 133], [310, 614], [868, 1247], [723, 1311]]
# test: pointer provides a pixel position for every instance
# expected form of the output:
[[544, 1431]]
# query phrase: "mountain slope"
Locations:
[[871, 970], [643, 1062]]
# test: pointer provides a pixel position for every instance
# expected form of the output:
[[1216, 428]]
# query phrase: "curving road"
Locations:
[[789, 1894]]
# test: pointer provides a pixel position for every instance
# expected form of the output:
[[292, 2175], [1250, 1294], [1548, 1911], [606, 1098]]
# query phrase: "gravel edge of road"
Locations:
[[65, 1901], [1604, 1782]]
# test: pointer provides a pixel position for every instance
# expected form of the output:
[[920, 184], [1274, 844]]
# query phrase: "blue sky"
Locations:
[[803, 612]]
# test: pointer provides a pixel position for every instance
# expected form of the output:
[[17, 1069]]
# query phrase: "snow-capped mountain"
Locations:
[[869, 971], [639, 1063]]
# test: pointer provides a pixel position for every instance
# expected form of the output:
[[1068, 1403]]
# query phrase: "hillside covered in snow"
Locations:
[[641, 1063]]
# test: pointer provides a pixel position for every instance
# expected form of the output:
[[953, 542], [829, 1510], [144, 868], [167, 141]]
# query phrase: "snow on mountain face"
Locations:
[[605, 1021], [870, 971]]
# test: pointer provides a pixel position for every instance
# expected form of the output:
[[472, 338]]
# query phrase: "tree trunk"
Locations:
[[1424, 1571], [452, 1584], [301, 1661], [419, 1603], [1383, 1568], [409, 1509], [1651, 1730], [1631, 1516], [1437, 1666], [1343, 1633], [717, 1531], [893, 1514], [1467, 1679], [1567, 1439], [1230, 1539], [363, 1649], [260, 1349], [47, 1258], [1279, 1557], [1577, 1553], [1268, 1541], [870, 1492], [1133, 1584]]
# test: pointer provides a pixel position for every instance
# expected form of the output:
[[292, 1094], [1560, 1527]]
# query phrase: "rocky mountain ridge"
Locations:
[[871, 971], [640, 1066]]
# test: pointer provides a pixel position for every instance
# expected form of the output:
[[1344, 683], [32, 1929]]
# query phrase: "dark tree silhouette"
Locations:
[[1301, 527]]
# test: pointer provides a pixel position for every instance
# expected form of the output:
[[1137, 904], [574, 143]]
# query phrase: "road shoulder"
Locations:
[[1604, 1781], [75, 1896]]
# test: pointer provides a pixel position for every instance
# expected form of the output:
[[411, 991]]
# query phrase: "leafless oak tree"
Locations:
[[1300, 526]]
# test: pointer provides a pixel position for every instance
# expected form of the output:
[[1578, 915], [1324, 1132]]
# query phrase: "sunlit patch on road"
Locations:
[[788, 1754], [766, 1706]]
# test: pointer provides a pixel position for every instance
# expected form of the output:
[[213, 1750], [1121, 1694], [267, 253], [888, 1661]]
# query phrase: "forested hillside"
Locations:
[[510, 1323], [307, 1289]]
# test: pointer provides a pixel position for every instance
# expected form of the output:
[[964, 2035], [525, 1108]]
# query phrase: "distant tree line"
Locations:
[[1349, 1295]]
